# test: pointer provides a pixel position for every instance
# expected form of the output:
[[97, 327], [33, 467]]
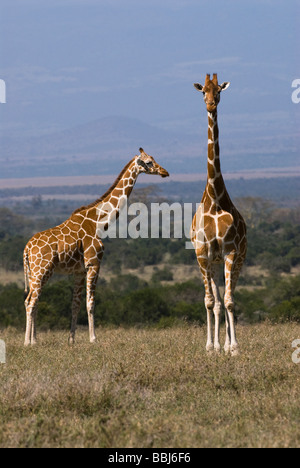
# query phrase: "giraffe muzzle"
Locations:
[[211, 106], [163, 173]]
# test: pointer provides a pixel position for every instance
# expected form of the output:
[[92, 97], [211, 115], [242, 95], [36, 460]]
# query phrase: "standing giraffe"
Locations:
[[218, 231], [75, 246]]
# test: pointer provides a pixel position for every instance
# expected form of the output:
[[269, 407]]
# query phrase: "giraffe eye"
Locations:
[[149, 164]]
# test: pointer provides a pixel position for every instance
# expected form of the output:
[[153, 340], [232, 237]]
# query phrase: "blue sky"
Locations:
[[69, 62]]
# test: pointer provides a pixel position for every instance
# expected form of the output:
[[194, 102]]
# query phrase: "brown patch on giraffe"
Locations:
[[229, 247], [88, 227], [211, 170], [201, 253], [225, 221], [216, 132], [219, 185], [73, 225], [35, 250], [211, 191], [114, 201], [209, 227], [44, 238], [118, 192], [206, 201]]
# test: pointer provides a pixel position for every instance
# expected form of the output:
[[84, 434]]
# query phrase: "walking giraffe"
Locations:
[[218, 231], [75, 247]]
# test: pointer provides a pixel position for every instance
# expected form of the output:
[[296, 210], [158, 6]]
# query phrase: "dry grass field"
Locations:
[[151, 388]]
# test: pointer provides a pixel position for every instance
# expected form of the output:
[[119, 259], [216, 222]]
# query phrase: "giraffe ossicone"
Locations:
[[218, 231], [75, 247]]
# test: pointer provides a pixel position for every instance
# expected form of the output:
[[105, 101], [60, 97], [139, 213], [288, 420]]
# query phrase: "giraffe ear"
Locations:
[[224, 85], [198, 86]]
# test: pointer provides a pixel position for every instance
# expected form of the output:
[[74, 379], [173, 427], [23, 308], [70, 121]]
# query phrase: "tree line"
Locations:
[[128, 301], [273, 238], [273, 241]]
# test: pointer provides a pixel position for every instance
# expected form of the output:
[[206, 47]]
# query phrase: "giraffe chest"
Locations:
[[214, 235], [70, 258]]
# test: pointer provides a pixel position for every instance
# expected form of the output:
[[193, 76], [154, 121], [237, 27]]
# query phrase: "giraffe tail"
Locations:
[[26, 274]]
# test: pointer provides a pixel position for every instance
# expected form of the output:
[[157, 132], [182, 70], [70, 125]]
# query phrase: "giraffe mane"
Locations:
[[99, 200]]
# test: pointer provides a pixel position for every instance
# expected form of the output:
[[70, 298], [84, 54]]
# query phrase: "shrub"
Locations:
[[286, 311]]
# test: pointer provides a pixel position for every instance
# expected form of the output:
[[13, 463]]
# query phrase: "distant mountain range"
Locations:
[[104, 146]]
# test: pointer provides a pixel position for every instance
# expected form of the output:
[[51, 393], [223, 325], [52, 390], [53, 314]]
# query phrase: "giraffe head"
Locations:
[[147, 164], [211, 91]]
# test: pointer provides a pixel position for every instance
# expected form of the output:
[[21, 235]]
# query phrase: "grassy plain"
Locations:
[[151, 388]]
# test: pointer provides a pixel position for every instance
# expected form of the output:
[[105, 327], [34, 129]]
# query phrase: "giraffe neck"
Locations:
[[105, 211], [122, 188], [213, 149], [215, 184]]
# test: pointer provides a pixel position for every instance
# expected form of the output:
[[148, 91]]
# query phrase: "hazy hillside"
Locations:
[[103, 146]]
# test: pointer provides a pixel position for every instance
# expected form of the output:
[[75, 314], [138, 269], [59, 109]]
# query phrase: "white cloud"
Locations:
[[39, 75], [87, 89], [184, 71], [112, 3]]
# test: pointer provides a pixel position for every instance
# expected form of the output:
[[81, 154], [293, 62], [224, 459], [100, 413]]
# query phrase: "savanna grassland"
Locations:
[[145, 387], [148, 381]]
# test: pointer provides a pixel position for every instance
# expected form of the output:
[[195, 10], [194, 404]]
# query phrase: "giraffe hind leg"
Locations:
[[92, 278], [31, 304], [77, 295]]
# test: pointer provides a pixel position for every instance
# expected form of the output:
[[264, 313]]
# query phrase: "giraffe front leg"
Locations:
[[209, 301], [231, 276], [77, 295], [227, 339], [92, 278], [217, 306]]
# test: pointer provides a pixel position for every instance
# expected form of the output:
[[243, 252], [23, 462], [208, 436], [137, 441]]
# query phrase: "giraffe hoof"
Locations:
[[31, 343], [234, 351]]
